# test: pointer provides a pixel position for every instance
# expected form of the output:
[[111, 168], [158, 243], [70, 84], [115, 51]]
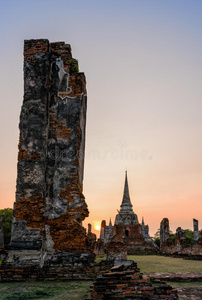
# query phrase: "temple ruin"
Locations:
[[48, 241], [50, 206], [180, 245], [196, 231], [127, 229]]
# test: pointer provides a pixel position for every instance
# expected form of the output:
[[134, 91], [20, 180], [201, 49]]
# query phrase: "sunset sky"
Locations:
[[143, 64]]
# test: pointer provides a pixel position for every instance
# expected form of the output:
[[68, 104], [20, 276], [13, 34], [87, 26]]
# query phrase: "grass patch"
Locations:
[[36, 294], [76, 290], [99, 258], [71, 290], [156, 263]]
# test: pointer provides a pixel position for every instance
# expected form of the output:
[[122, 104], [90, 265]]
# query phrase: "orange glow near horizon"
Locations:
[[97, 227]]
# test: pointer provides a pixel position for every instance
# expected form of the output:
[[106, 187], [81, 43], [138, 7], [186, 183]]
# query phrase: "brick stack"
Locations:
[[126, 283]]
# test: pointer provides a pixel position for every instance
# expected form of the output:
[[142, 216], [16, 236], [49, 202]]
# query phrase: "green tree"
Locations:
[[189, 234], [171, 235], [156, 238], [7, 214]]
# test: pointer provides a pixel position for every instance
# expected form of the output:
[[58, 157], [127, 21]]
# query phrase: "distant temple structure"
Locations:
[[128, 229], [126, 215], [106, 232]]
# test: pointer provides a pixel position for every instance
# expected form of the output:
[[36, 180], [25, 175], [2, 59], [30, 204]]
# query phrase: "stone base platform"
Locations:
[[62, 266], [142, 250]]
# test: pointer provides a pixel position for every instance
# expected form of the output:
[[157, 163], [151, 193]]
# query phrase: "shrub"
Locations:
[[7, 214]]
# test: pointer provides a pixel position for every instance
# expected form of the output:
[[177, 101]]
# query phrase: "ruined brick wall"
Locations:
[[92, 238], [74, 266], [116, 251], [50, 206], [164, 230], [131, 233], [135, 241], [196, 232], [180, 245]]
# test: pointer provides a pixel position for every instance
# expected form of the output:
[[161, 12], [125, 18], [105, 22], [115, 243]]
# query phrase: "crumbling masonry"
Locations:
[[50, 207], [180, 245], [48, 241]]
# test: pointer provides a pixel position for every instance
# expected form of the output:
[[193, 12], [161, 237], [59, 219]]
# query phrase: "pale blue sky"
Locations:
[[143, 64]]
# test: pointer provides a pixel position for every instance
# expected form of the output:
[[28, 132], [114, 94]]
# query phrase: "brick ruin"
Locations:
[[164, 232], [92, 237], [50, 206], [106, 232], [196, 231], [124, 281], [128, 229], [48, 241], [116, 251], [180, 245], [100, 248]]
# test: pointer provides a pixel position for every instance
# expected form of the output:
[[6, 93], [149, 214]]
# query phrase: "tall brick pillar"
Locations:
[[164, 232], [50, 207], [103, 230], [196, 233]]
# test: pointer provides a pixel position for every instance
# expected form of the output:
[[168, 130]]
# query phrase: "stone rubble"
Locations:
[[125, 282]]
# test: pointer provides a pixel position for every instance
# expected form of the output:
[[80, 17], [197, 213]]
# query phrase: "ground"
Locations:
[[157, 263], [76, 290], [72, 290]]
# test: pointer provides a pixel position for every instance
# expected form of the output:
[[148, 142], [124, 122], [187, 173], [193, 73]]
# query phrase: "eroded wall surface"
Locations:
[[180, 245], [50, 206]]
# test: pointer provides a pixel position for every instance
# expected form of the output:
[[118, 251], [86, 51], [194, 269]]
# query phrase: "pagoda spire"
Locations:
[[126, 203]]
